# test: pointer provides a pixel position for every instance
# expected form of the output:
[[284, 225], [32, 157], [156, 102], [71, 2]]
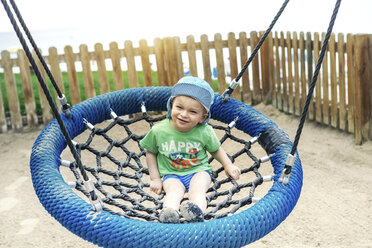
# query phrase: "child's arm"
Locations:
[[230, 169], [156, 183]]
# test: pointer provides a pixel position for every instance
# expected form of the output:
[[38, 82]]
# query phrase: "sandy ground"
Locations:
[[334, 209]]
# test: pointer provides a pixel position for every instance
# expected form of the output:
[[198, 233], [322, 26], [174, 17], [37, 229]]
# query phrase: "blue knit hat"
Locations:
[[196, 88]]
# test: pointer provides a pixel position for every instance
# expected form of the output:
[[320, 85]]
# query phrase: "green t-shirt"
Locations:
[[181, 153]]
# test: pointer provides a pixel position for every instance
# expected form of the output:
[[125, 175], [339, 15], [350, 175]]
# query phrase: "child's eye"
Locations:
[[193, 112]]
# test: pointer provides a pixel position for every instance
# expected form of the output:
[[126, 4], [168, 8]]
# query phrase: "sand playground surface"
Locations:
[[334, 209]]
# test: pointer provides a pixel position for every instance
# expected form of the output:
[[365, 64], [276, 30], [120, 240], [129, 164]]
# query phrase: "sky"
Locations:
[[89, 21]]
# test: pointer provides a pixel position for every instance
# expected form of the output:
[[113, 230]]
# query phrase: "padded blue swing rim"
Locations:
[[109, 230]]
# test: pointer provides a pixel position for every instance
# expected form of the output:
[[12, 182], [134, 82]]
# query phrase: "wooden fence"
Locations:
[[280, 74]]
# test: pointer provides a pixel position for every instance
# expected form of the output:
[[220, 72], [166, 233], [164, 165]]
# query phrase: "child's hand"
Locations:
[[233, 171], [156, 186]]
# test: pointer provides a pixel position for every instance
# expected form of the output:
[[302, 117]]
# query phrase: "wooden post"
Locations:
[[303, 71], [278, 78], [87, 72], [257, 97], [220, 63], [47, 113], [284, 73], [102, 72], [116, 66], [341, 81], [24, 70], [350, 83], [146, 66], [243, 44], [191, 51], [231, 43], [206, 59], [11, 88], [325, 86], [309, 53], [171, 60], [132, 72], [160, 62], [56, 70], [179, 64], [362, 88], [265, 70], [297, 102], [318, 86], [334, 86], [290, 75], [72, 75]]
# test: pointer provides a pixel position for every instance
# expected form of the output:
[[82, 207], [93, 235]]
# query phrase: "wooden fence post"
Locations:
[[191, 51], [160, 62], [72, 76], [206, 59], [24, 70], [15, 113], [220, 63], [257, 96], [145, 60], [370, 84], [116, 66], [170, 51], [362, 89], [243, 44], [87, 72], [266, 70]]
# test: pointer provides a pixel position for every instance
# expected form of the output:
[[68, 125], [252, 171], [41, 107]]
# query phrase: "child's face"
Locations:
[[187, 113]]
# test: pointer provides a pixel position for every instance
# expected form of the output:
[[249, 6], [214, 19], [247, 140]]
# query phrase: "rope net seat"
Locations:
[[136, 224]]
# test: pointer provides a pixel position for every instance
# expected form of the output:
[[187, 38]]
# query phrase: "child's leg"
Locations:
[[174, 192], [199, 185]]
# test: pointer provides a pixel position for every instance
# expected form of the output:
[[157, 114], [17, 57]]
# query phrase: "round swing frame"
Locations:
[[109, 230]]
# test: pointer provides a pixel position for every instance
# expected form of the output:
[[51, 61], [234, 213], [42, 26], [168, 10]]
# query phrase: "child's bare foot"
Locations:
[[191, 212], [169, 215]]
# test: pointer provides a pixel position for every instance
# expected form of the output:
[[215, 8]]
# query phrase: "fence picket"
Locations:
[[191, 51], [72, 75], [101, 66], [47, 113], [325, 87], [332, 55], [318, 86], [55, 69], [246, 90], [351, 82], [297, 103], [231, 43], [87, 72], [146, 66], [220, 63], [24, 71], [341, 81], [303, 84], [257, 98], [290, 75], [278, 89], [116, 66], [206, 58], [160, 62], [15, 112], [309, 60], [284, 73]]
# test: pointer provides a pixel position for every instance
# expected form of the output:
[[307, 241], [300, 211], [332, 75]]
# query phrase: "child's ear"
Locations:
[[205, 116]]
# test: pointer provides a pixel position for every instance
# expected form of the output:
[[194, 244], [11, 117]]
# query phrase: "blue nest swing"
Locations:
[[110, 230]]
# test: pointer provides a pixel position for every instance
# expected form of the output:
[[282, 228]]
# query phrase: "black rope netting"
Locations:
[[122, 181]]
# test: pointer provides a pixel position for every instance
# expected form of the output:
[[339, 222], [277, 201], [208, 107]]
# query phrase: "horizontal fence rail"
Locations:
[[280, 74]]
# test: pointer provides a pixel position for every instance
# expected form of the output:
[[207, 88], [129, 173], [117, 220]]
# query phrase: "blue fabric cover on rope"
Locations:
[[108, 230]]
